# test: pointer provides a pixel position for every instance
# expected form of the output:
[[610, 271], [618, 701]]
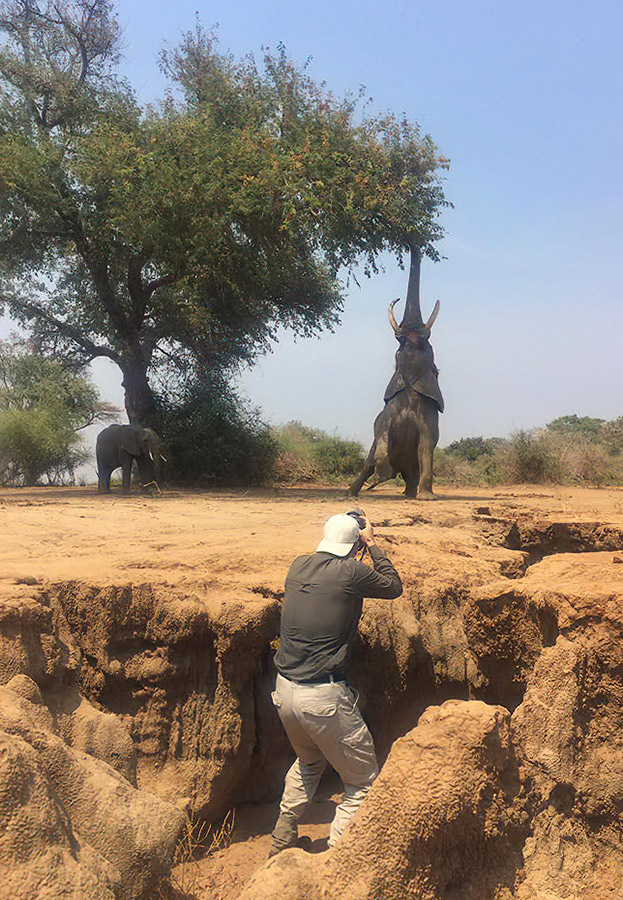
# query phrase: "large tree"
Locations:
[[181, 236]]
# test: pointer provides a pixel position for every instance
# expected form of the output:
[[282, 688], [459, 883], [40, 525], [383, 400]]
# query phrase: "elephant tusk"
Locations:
[[163, 457], [151, 456], [392, 318], [433, 316]]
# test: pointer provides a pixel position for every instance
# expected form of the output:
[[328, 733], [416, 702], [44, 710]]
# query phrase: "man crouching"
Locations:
[[319, 618]]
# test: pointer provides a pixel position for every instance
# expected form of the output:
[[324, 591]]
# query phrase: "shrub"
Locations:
[[212, 437], [613, 435], [588, 463], [569, 450], [529, 457], [310, 454], [33, 444], [468, 461]]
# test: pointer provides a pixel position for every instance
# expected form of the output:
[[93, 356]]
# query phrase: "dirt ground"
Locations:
[[232, 541], [221, 874], [240, 544]]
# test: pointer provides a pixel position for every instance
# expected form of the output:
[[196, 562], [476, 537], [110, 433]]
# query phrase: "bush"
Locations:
[[469, 461], [310, 454], [529, 457], [213, 437], [559, 456], [613, 436], [32, 444], [43, 406]]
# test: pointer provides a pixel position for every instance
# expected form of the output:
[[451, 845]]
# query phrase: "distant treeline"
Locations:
[[569, 450]]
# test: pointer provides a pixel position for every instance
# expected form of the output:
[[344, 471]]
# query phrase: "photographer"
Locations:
[[320, 614]]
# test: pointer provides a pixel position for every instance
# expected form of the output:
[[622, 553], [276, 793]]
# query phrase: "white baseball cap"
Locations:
[[340, 533]]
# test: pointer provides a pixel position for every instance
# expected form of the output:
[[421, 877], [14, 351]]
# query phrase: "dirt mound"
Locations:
[[71, 824], [439, 821]]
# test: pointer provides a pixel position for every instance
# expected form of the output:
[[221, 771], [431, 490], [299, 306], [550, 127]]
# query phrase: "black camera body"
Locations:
[[359, 517]]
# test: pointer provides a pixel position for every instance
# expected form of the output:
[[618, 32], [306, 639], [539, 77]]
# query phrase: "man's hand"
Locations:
[[366, 535]]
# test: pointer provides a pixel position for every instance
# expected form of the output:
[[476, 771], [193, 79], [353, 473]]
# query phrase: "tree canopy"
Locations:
[[177, 238], [578, 426]]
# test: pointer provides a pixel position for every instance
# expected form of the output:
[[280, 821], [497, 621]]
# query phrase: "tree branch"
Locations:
[[158, 283], [94, 350], [97, 266]]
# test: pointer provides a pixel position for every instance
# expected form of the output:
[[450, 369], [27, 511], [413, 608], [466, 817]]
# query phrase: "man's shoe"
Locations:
[[285, 834]]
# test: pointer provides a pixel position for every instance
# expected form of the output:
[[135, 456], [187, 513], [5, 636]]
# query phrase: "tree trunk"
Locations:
[[140, 402], [413, 315]]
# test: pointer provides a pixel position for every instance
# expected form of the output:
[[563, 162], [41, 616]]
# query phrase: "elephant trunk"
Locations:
[[412, 324], [412, 318]]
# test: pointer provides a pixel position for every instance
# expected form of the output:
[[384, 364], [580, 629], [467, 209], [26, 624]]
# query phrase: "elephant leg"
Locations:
[[126, 471], [103, 479], [411, 478], [425, 458], [363, 476]]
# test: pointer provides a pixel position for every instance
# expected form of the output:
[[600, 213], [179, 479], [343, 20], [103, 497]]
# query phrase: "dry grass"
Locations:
[[199, 839]]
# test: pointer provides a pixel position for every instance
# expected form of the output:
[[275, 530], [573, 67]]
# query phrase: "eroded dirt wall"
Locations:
[[167, 681]]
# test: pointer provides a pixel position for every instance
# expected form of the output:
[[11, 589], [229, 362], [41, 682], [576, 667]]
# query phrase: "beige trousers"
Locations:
[[323, 724]]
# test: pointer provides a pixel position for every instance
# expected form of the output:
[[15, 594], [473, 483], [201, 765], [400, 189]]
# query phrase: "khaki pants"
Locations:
[[323, 724]]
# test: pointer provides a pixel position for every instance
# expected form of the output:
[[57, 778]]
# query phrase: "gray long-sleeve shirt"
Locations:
[[322, 607]]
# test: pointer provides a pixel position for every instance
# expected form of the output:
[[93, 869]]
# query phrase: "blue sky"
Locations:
[[524, 97]]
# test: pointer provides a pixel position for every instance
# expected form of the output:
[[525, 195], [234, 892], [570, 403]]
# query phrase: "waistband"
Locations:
[[327, 678]]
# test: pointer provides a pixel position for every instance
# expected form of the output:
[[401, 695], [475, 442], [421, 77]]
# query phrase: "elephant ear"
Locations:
[[394, 387], [129, 442], [428, 385]]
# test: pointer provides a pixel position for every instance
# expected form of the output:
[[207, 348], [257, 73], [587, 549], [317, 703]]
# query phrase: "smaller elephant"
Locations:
[[118, 446]]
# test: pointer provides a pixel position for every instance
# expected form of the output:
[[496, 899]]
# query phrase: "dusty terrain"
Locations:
[[163, 612]]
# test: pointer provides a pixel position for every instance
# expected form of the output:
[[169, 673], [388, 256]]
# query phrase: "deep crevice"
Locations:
[[541, 539]]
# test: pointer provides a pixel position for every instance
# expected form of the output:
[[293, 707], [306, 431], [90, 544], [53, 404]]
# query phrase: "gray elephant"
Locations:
[[406, 430], [118, 446]]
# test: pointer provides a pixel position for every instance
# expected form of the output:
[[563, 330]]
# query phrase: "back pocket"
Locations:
[[320, 707]]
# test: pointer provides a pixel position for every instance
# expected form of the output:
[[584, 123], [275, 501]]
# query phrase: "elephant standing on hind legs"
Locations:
[[118, 446], [406, 431]]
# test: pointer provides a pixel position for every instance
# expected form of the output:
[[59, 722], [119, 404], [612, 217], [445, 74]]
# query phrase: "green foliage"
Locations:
[[613, 436], [182, 236], [34, 444], [577, 426], [310, 454], [213, 438], [468, 461], [42, 407], [472, 448], [528, 457]]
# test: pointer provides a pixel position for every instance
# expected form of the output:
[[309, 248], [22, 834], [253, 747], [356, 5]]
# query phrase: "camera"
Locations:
[[359, 517]]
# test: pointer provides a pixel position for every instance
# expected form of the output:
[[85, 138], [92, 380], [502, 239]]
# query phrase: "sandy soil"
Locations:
[[230, 541], [239, 544]]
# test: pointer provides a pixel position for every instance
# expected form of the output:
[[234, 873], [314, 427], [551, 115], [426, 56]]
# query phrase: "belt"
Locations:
[[328, 678]]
